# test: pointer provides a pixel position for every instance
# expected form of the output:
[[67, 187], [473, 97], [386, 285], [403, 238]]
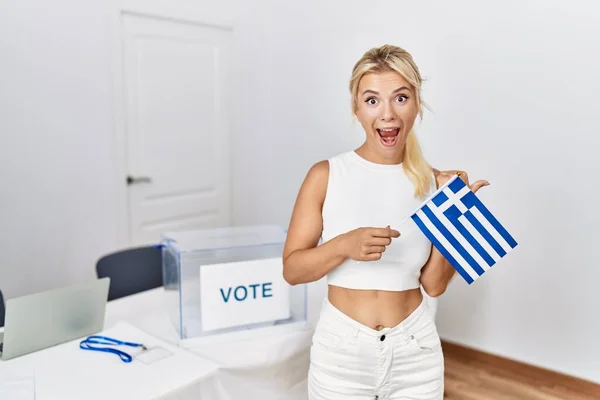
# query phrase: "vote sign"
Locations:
[[243, 293]]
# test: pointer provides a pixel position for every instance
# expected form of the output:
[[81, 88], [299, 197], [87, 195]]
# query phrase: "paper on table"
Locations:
[[17, 388]]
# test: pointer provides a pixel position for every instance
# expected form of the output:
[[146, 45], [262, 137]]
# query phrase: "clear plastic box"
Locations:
[[186, 252]]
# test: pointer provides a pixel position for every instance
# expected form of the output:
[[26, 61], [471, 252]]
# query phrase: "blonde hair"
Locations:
[[392, 58]]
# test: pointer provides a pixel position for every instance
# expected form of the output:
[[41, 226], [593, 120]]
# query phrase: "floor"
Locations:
[[475, 377]]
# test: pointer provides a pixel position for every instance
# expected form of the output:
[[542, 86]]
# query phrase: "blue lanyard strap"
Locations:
[[107, 341]]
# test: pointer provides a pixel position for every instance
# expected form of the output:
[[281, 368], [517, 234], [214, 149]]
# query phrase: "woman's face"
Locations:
[[387, 109]]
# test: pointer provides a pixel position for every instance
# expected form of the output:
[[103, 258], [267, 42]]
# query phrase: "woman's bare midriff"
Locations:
[[376, 309]]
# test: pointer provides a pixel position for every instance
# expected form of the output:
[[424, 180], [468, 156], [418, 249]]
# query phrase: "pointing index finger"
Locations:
[[385, 232]]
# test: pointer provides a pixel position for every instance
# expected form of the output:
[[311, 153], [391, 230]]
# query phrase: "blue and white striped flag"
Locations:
[[463, 229]]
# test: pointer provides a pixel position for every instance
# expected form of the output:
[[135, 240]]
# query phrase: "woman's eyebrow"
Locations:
[[401, 89], [395, 91]]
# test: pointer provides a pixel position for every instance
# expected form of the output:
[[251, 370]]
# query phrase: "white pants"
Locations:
[[352, 361]]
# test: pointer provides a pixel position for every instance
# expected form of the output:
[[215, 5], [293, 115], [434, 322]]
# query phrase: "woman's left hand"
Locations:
[[443, 177]]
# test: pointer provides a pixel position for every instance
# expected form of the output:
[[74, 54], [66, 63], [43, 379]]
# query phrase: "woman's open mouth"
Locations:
[[388, 136]]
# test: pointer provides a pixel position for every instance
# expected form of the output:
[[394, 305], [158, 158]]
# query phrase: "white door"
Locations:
[[176, 125]]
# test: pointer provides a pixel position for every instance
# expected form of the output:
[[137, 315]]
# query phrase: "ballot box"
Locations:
[[228, 282]]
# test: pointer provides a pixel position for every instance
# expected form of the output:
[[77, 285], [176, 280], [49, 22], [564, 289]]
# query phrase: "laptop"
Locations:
[[41, 320]]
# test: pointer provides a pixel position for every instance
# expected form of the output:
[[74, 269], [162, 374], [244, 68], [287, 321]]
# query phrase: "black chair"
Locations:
[[1, 310], [131, 271]]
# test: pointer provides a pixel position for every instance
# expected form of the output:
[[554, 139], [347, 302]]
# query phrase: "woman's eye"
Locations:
[[402, 98], [371, 101]]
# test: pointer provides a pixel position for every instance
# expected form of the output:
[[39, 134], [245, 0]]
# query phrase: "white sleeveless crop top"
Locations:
[[361, 193]]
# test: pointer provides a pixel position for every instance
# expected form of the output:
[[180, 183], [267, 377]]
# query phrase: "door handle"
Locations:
[[131, 180]]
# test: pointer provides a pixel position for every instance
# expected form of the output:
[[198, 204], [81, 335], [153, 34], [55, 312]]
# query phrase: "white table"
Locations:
[[273, 367], [67, 372], [269, 367]]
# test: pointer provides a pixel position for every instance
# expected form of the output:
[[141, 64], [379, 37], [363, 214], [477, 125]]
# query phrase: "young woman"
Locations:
[[375, 338]]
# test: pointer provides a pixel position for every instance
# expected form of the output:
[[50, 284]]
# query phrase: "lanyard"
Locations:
[[103, 340]]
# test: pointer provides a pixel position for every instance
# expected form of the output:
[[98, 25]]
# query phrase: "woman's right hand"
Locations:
[[367, 244]]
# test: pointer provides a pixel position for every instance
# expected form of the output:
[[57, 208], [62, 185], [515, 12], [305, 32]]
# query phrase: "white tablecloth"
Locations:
[[266, 367], [269, 367], [67, 372]]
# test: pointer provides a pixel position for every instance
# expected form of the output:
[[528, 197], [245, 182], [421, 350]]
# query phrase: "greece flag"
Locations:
[[463, 229]]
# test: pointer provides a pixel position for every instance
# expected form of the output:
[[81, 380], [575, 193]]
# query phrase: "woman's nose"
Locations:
[[387, 113]]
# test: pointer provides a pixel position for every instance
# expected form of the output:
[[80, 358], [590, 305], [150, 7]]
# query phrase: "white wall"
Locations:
[[55, 123], [503, 81], [60, 200], [514, 91]]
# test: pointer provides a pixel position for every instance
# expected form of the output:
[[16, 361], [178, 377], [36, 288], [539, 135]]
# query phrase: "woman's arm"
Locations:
[[303, 260], [437, 272]]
